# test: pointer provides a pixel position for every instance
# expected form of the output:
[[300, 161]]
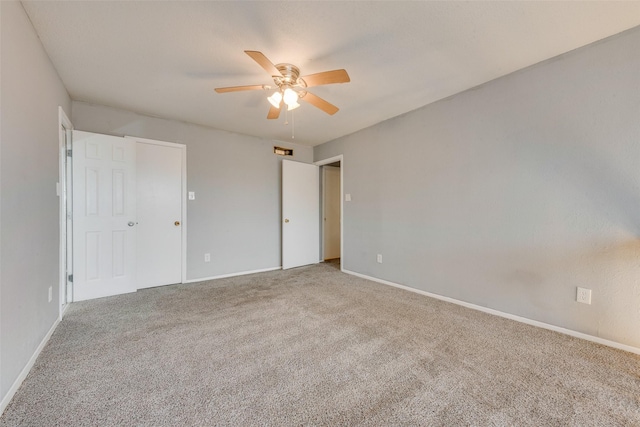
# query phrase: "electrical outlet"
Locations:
[[207, 257], [50, 293], [583, 295], [379, 258]]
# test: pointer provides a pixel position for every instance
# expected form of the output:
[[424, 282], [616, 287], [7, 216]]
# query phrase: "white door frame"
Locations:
[[338, 158], [182, 147], [64, 129]]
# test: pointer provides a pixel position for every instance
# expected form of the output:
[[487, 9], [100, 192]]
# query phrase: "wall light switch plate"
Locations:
[[347, 197], [192, 195], [379, 258]]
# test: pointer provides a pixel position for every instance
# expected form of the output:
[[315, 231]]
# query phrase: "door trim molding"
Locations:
[[63, 123], [182, 147], [323, 162]]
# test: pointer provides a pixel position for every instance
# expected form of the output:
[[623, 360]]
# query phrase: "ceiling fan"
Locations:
[[291, 86]]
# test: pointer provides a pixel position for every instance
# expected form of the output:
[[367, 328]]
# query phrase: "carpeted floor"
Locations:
[[313, 346]]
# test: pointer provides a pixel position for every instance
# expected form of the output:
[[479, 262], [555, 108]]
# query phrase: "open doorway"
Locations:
[[331, 175], [331, 211]]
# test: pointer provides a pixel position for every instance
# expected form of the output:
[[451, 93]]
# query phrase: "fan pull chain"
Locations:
[[293, 122]]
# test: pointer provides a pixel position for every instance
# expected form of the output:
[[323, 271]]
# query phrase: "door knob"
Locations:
[[131, 223], [286, 220], [177, 223]]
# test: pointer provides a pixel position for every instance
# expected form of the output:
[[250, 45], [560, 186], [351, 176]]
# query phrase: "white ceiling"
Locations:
[[165, 58]]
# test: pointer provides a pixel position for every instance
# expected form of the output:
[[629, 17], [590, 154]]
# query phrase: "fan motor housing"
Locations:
[[290, 76]]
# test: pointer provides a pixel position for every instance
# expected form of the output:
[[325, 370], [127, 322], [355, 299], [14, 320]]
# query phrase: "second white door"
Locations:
[[301, 214], [159, 205]]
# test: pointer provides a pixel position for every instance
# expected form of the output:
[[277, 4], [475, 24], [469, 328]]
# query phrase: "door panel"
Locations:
[[300, 211], [104, 215], [119, 240], [160, 223]]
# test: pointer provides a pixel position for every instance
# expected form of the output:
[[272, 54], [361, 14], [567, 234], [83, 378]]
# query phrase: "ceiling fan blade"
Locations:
[[264, 62], [274, 112], [238, 88], [326, 77], [316, 101]]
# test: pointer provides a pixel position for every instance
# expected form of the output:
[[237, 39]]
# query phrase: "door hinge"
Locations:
[[70, 278], [68, 153]]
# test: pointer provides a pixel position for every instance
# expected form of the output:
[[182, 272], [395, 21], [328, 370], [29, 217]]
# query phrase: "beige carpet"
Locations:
[[313, 346]]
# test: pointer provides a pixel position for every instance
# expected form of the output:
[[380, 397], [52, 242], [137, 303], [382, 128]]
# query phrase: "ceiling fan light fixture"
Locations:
[[290, 97], [292, 106], [275, 99]]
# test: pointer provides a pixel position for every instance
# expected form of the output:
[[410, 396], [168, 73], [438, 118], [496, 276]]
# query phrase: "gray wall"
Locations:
[[236, 178], [512, 194], [31, 93]]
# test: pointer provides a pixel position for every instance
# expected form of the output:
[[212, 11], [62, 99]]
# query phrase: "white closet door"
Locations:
[[160, 223], [104, 215]]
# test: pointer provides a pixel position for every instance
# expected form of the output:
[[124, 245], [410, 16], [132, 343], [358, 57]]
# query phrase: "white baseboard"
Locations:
[[63, 311], [565, 331], [25, 371], [224, 276]]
